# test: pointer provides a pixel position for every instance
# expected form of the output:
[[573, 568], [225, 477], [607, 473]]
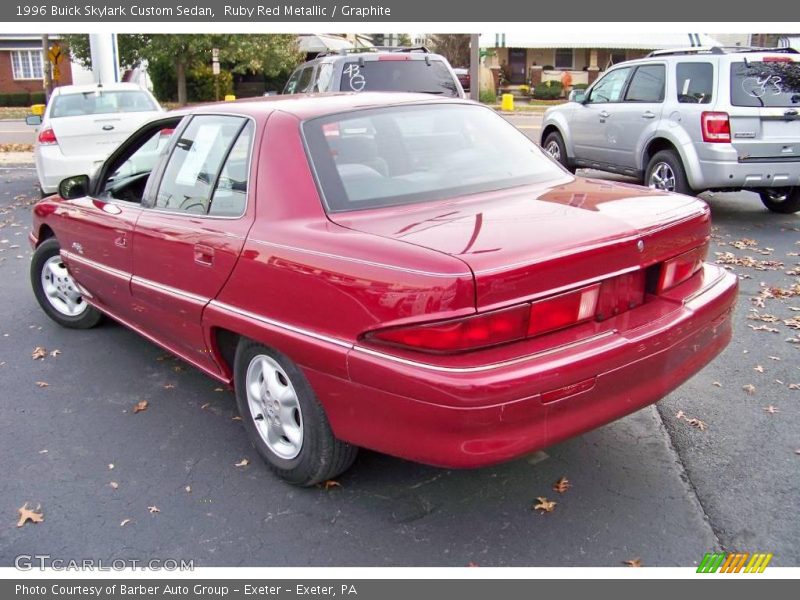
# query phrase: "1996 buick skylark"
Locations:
[[398, 272]]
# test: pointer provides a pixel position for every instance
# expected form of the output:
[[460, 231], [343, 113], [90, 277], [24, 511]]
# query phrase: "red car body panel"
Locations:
[[310, 285]]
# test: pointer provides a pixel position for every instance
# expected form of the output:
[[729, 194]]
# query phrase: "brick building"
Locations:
[[21, 64]]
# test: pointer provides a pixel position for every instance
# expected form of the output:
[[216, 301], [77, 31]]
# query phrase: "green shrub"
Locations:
[[37, 98], [488, 97], [18, 99], [548, 90], [580, 86], [3, 99], [200, 84]]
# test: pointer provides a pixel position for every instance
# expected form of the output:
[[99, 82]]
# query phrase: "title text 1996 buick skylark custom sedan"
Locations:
[[396, 272]]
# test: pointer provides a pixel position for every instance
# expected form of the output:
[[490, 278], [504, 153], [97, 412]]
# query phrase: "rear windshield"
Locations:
[[403, 155], [100, 103], [765, 84], [431, 77]]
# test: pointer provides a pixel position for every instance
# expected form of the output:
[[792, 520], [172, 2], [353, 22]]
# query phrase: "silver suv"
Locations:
[[377, 69], [690, 120]]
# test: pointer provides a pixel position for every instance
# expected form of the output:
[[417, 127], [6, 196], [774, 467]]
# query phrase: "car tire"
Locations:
[[785, 201], [665, 172], [56, 292], [554, 146], [283, 418]]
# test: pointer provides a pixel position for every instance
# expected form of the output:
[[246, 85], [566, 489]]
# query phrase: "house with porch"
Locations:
[[530, 58]]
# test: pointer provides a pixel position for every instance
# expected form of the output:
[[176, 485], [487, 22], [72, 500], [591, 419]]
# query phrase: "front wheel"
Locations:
[[56, 291], [554, 146], [283, 418], [781, 200], [665, 172]]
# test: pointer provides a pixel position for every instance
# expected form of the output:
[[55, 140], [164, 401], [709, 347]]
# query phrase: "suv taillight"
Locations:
[[716, 127], [47, 137]]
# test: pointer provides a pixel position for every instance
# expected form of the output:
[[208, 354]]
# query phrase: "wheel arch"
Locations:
[[45, 233]]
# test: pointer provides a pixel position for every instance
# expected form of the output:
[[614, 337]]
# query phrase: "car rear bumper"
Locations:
[[722, 168], [481, 416], [52, 166]]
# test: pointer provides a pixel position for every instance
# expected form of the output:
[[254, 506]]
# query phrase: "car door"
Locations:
[[96, 239], [188, 240], [590, 120], [634, 119]]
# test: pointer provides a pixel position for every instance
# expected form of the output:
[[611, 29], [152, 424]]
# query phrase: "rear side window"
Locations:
[[196, 163], [393, 75], [765, 83], [695, 81], [299, 81], [230, 194], [647, 84]]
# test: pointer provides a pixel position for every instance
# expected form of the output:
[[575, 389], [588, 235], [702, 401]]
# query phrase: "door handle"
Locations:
[[604, 114], [648, 114], [203, 255]]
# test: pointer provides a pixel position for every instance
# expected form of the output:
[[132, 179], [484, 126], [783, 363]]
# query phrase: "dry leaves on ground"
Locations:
[[729, 258], [696, 423], [330, 484], [124, 522], [13, 147], [55, 353], [758, 368], [38, 353], [242, 463], [114, 485], [749, 388], [771, 409], [169, 386], [544, 505], [153, 509], [42, 384], [793, 323], [562, 485], [141, 406], [633, 562], [26, 514], [764, 328]]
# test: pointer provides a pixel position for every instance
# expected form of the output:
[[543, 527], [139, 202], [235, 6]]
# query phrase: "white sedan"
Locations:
[[83, 124]]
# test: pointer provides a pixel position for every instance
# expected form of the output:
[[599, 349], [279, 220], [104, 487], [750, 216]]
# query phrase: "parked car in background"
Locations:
[[398, 272], [690, 120], [463, 77], [379, 69], [83, 124]]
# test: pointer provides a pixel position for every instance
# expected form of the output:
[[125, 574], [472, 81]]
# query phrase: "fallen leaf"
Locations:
[[562, 485], [472, 564], [697, 423], [45, 451], [764, 328], [749, 388], [634, 562], [42, 384], [26, 514], [124, 522], [38, 352], [153, 509], [169, 386], [188, 489], [55, 353], [758, 368], [774, 357], [330, 484], [544, 505], [178, 369], [205, 406], [794, 386], [242, 463], [110, 466], [717, 383], [236, 418], [140, 406], [219, 389], [793, 323], [771, 409], [765, 317], [679, 414], [114, 485]]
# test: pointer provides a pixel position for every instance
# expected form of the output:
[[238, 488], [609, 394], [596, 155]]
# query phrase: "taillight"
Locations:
[[716, 127], [563, 310], [47, 137], [677, 270]]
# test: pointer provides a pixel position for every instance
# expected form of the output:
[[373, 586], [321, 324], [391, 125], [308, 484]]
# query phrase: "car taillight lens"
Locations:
[[677, 270], [47, 136], [716, 127], [563, 310], [458, 335]]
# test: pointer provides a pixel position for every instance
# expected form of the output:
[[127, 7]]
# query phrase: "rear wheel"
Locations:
[[56, 291], [283, 418], [665, 172], [781, 200], [554, 146]]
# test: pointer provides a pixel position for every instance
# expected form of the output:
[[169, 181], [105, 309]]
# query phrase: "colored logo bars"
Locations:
[[734, 562]]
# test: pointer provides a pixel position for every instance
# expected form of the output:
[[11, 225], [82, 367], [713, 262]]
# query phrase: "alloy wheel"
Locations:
[[60, 289], [553, 149], [662, 177]]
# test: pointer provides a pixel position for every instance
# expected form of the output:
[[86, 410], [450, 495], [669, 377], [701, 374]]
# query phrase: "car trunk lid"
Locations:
[[533, 241], [95, 135]]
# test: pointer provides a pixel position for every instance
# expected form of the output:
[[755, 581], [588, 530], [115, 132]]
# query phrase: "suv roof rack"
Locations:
[[370, 49], [719, 50]]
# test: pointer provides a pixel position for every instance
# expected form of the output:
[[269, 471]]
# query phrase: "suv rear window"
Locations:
[[695, 82], [765, 84], [398, 76], [402, 155]]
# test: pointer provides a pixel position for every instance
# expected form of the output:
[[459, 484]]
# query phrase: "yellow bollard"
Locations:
[[37, 109], [507, 103], [229, 97]]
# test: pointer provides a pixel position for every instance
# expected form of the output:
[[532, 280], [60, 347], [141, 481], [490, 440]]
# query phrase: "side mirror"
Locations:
[[578, 96], [33, 120], [73, 187]]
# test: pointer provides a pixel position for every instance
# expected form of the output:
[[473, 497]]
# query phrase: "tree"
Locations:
[[404, 39], [129, 46], [454, 47]]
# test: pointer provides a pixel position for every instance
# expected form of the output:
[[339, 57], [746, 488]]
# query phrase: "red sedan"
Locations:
[[395, 272]]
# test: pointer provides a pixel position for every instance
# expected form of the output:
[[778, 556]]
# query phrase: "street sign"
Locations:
[[54, 55], [215, 68], [215, 54]]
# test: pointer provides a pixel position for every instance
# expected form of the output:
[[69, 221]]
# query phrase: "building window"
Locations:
[[564, 58], [27, 64], [617, 56]]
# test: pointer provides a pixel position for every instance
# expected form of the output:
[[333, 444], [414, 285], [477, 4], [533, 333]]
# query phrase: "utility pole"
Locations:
[[474, 66], [47, 81]]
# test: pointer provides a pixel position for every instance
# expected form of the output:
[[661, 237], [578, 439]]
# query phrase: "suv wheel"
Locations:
[[665, 172], [283, 418], [554, 146], [781, 200]]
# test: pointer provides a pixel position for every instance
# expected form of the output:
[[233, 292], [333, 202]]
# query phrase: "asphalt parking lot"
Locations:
[[653, 487]]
